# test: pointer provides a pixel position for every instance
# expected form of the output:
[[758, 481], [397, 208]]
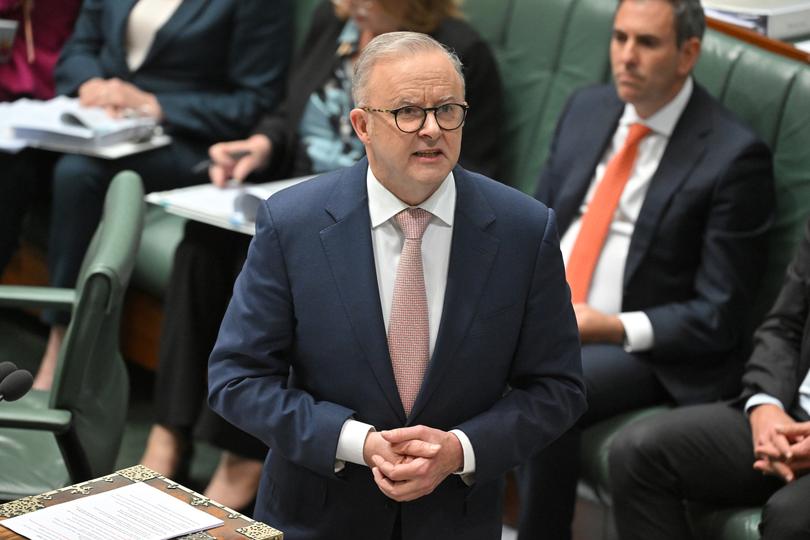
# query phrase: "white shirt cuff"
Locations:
[[468, 470], [638, 331], [350, 443], [762, 399]]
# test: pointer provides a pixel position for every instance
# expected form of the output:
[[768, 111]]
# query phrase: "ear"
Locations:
[[359, 119], [690, 52]]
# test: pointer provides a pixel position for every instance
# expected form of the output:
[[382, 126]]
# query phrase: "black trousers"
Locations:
[[79, 186], [25, 177], [205, 266], [616, 381], [704, 454]]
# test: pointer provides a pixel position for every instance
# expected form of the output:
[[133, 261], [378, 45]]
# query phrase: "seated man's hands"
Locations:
[[798, 435], [771, 447], [119, 98], [237, 159], [424, 458], [597, 327]]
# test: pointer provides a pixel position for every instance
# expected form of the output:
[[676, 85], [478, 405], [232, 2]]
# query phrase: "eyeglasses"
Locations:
[[411, 118]]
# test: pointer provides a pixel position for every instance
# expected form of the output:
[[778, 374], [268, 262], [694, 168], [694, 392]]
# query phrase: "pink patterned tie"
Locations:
[[408, 330]]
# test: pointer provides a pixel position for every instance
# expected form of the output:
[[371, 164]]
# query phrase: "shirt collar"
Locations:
[[383, 205], [664, 120]]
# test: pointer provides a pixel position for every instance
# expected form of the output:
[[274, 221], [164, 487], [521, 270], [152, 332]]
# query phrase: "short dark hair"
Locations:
[[690, 21]]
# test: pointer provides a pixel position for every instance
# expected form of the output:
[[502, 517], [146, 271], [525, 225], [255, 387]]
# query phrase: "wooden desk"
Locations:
[[236, 526]]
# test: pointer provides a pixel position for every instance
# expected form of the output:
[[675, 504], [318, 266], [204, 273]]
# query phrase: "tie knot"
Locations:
[[413, 222], [637, 132]]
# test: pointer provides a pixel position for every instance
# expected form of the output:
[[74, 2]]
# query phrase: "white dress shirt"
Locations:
[[607, 284], [387, 240], [145, 19], [762, 398]]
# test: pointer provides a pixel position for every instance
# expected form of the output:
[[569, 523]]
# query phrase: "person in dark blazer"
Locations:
[[664, 316], [750, 451], [309, 133], [369, 398], [206, 69]]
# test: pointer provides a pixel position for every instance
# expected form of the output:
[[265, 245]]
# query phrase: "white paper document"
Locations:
[[134, 512], [233, 207]]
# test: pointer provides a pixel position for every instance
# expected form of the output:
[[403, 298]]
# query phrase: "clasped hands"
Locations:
[[119, 98], [408, 463], [781, 445]]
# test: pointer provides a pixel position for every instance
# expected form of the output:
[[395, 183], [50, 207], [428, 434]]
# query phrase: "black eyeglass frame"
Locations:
[[425, 111]]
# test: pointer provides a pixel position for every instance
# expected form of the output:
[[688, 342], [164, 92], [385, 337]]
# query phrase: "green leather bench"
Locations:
[[545, 49]]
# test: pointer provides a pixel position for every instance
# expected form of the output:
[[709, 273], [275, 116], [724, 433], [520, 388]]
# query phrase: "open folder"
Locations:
[[63, 125], [232, 207]]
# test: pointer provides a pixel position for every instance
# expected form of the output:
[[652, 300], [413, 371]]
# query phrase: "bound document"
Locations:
[[777, 19], [63, 125], [232, 207]]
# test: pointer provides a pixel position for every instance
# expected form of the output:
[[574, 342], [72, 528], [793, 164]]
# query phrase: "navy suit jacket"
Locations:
[[303, 348], [698, 249], [215, 67]]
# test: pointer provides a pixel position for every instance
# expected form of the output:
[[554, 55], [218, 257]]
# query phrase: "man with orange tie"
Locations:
[[663, 201]]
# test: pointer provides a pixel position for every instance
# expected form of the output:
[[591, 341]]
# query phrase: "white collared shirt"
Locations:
[[387, 241], [145, 19], [607, 285]]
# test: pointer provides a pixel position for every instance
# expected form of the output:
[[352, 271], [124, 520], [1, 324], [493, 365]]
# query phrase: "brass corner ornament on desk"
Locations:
[[236, 527]]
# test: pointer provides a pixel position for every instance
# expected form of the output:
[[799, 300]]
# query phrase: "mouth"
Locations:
[[428, 154]]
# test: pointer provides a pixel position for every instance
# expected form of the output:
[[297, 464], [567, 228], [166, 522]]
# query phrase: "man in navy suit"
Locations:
[[664, 316], [382, 425]]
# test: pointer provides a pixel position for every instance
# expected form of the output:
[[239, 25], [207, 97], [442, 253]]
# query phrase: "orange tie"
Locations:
[[599, 215]]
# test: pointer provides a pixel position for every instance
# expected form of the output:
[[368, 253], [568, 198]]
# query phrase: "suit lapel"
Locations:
[[120, 18], [593, 142], [348, 248], [472, 254], [180, 19], [684, 151]]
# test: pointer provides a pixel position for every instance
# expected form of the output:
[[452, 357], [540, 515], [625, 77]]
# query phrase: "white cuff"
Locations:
[[638, 331], [350, 443], [468, 470], [761, 399]]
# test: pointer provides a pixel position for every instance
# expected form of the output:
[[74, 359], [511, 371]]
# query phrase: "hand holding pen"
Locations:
[[235, 160]]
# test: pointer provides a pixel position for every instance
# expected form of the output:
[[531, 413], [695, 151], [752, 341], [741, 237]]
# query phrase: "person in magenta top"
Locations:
[[42, 28]]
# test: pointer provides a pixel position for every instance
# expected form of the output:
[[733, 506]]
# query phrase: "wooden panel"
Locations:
[[755, 38]]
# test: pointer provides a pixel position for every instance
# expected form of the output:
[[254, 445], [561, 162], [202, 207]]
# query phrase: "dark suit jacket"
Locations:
[[303, 348], [698, 249], [781, 357], [316, 62], [215, 67]]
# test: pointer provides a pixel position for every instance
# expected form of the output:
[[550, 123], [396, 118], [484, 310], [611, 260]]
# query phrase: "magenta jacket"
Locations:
[[51, 23]]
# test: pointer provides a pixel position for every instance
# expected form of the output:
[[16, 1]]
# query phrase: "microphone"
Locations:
[[6, 368], [16, 385]]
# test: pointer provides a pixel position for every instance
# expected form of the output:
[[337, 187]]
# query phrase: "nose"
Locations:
[[431, 127], [628, 53]]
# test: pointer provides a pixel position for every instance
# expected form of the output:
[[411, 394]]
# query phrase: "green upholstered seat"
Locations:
[[73, 433]]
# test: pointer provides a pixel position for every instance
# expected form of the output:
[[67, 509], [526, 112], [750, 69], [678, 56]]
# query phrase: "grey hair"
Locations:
[[394, 45], [690, 21]]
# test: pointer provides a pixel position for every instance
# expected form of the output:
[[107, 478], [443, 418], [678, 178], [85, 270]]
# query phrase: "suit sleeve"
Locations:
[[251, 361], [774, 364], [547, 393], [79, 60], [258, 55], [731, 263]]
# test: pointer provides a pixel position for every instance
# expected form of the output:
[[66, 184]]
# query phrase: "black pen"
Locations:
[[204, 164]]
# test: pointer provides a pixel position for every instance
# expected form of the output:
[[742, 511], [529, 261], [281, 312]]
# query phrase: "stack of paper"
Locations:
[[62, 124], [778, 19]]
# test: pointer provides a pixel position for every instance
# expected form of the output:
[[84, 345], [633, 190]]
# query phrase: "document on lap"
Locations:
[[134, 512], [63, 125], [232, 207]]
